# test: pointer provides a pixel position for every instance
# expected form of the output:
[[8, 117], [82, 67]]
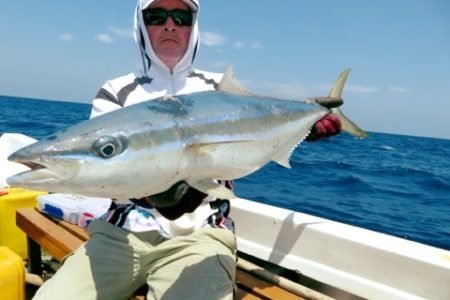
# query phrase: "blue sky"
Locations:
[[399, 52]]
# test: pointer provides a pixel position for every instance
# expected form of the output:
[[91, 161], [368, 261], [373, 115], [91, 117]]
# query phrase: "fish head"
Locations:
[[118, 155], [70, 160]]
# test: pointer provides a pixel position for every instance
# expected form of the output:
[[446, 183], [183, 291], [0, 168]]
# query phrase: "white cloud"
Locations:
[[296, 90], [66, 37], [104, 38], [398, 89], [122, 32], [366, 89], [291, 90], [212, 39], [288, 90], [256, 45], [221, 64], [238, 45]]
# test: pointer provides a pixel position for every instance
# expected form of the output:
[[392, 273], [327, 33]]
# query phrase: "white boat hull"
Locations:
[[362, 262]]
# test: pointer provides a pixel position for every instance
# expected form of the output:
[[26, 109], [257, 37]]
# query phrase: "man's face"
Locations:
[[169, 40]]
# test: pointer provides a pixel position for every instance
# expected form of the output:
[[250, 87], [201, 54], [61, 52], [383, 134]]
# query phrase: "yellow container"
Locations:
[[10, 235], [12, 275]]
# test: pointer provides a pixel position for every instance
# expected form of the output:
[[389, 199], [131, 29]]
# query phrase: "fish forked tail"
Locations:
[[334, 100]]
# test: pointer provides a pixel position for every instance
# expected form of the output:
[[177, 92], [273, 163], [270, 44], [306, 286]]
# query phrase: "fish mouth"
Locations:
[[39, 175], [32, 166]]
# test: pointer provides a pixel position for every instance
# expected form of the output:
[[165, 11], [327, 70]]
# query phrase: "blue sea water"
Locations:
[[389, 183]]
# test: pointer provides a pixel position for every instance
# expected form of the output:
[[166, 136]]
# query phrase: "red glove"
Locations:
[[327, 126]]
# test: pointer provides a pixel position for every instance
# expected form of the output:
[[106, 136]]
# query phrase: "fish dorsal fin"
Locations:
[[231, 85]]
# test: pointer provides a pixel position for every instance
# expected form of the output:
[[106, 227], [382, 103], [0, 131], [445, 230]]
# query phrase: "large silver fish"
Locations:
[[199, 138]]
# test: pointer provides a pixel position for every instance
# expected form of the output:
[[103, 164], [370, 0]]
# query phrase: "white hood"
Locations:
[[148, 62]]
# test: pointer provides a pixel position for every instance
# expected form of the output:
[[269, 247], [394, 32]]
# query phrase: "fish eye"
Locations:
[[108, 146]]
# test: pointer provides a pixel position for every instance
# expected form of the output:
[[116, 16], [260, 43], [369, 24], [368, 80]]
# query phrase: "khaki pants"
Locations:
[[114, 262]]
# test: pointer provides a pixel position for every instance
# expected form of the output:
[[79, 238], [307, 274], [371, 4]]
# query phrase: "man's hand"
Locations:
[[325, 127]]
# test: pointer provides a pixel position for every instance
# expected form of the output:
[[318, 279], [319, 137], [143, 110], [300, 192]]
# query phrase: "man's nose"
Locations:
[[170, 24]]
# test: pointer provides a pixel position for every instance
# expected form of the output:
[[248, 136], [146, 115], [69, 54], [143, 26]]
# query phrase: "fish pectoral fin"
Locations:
[[283, 155], [283, 159], [212, 188]]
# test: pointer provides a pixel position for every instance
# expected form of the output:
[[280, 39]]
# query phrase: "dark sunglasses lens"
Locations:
[[159, 16], [155, 16], [182, 17]]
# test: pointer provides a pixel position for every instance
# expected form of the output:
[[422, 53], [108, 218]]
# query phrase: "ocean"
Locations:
[[394, 184]]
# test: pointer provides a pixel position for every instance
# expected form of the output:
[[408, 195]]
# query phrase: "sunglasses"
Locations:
[[158, 16]]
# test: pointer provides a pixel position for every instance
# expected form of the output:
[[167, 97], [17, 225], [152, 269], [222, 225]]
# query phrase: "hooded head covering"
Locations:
[[148, 61]]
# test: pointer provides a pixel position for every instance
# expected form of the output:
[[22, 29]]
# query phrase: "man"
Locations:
[[179, 242]]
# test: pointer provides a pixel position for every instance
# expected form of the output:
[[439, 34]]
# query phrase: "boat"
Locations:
[[336, 260], [344, 258]]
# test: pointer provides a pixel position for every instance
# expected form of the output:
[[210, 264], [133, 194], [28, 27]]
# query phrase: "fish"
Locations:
[[200, 138]]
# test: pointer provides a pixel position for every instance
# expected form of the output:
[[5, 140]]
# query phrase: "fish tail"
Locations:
[[336, 93]]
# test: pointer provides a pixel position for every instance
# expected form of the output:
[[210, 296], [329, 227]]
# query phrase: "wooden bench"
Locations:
[[60, 238]]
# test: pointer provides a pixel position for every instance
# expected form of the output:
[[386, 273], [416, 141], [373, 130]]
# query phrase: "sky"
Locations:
[[399, 52]]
